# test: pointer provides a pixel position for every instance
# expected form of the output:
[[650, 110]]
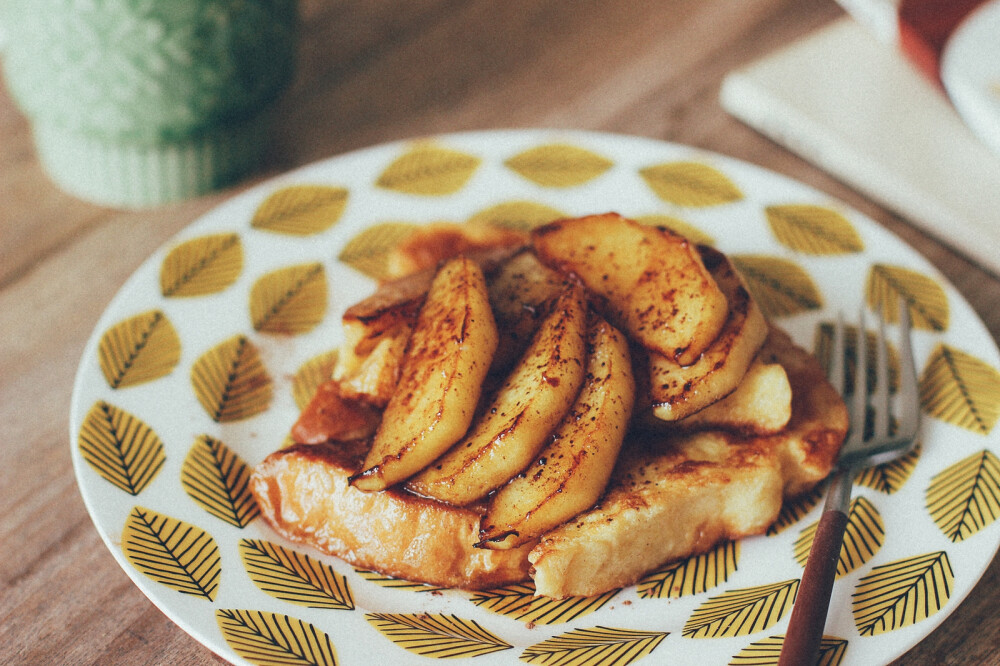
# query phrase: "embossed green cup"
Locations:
[[136, 103]]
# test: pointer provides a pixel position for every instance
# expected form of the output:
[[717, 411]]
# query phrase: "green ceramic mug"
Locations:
[[140, 102]]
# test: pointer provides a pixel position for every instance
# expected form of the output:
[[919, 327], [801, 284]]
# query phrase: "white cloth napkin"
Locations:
[[857, 109]]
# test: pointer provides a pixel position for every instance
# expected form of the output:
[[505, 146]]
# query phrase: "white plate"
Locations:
[[970, 71], [806, 256]]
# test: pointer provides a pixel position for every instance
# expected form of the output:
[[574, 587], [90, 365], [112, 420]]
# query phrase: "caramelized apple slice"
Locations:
[[527, 407], [571, 472], [446, 361], [678, 390], [653, 280]]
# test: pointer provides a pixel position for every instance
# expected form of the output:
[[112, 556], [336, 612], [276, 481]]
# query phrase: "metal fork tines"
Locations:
[[893, 433]]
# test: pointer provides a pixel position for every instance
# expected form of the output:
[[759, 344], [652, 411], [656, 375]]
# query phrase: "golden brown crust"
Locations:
[[303, 493]]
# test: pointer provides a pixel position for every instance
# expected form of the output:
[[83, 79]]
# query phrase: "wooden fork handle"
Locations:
[[805, 628]]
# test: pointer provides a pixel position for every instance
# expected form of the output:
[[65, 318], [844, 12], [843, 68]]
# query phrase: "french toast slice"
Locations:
[[678, 495], [702, 487], [304, 492]]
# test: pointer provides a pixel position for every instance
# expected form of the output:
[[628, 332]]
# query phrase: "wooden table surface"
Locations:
[[370, 71]]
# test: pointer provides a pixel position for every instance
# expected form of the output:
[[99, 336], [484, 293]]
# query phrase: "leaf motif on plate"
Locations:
[[889, 477], [382, 580], [924, 297], [429, 170], [690, 184], [271, 638], [437, 636], [120, 447], [231, 382], [794, 510], [863, 537], [781, 287], [367, 251], [902, 593], [813, 229], [686, 229], [171, 552], [824, 352], [291, 576], [139, 349], [965, 497], [558, 165], [219, 481], [310, 375], [301, 210], [516, 215], [960, 389], [518, 601], [597, 646], [692, 575], [742, 612], [766, 652], [201, 266], [289, 300]]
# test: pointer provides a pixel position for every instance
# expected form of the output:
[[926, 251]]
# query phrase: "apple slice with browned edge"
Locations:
[[445, 363], [526, 408], [652, 280], [571, 472], [678, 391]]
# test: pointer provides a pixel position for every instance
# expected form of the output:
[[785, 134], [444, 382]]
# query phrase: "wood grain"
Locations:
[[369, 71]]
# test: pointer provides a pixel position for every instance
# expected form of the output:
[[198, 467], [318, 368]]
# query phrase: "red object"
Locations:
[[924, 29]]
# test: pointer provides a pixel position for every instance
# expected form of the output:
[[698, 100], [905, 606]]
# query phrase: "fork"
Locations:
[[886, 442]]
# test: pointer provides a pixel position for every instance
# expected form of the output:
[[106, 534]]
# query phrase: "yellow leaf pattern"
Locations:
[[438, 636], [172, 552], [140, 349], [516, 215], [289, 300], [392, 583], [924, 297], [766, 652], [120, 447], [558, 165], [863, 537], [291, 576], [598, 646], [271, 638], [960, 389], [201, 266], [794, 510], [693, 575], [231, 382], [689, 231], [690, 184], [890, 477], [219, 481], [813, 229], [742, 612], [781, 287], [301, 210], [367, 251], [429, 170], [965, 497], [310, 375], [519, 602], [902, 593]]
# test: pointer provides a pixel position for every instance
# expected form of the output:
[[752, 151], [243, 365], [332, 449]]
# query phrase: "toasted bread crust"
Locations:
[[303, 493]]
